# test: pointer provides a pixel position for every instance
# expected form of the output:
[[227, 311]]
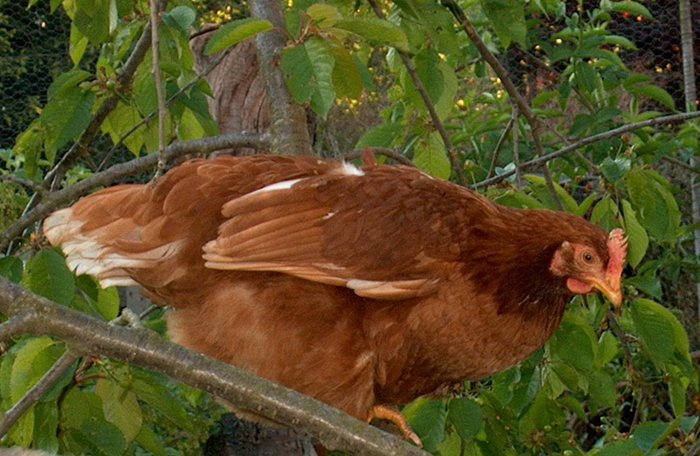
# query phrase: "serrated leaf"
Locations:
[[120, 408], [32, 360], [78, 407], [120, 122], [655, 206], [94, 19], [101, 437], [376, 31], [575, 344], [431, 157], [427, 419], [152, 390], [649, 435], [46, 426], [22, 433], [11, 268], [602, 391], [466, 417], [654, 329], [181, 17], [324, 16], [48, 276], [347, 80], [108, 302], [66, 81], [77, 44], [188, 127], [308, 71], [637, 235], [655, 93], [608, 348], [234, 32], [631, 7], [507, 17], [380, 136], [65, 117], [605, 214]]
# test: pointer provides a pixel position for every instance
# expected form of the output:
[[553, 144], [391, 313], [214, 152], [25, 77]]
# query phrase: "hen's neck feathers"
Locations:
[[509, 252]]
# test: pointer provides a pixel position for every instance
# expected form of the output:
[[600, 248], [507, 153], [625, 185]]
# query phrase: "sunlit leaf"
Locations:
[[234, 32]]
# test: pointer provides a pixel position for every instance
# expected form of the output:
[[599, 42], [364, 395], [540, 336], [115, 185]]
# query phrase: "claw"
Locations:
[[383, 412]]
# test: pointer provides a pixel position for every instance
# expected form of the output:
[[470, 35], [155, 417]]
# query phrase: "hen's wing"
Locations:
[[385, 232]]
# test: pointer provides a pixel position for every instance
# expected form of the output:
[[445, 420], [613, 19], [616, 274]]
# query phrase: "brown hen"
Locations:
[[359, 287]]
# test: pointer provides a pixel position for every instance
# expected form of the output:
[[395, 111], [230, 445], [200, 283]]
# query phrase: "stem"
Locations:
[[160, 90], [590, 140], [434, 117]]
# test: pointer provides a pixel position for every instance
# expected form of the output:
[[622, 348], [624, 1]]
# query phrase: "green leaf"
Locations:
[[601, 388], [32, 360], [181, 17], [22, 433], [575, 344], [46, 426], [188, 127], [427, 419], [637, 235], [631, 7], [678, 391], [605, 214], [308, 70], [431, 157], [324, 16], [376, 31], [108, 302], [29, 145], [120, 122], [11, 268], [151, 442], [466, 417], [347, 80], [94, 18], [65, 117], [120, 408], [77, 44], [621, 448], [654, 204], [651, 321], [507, 17], [48, 276], [650, 434], [101, 437], [78, 407], [380, 136], [608, 348], [614, 170], [234, 32], [66, 81], [151, 389]]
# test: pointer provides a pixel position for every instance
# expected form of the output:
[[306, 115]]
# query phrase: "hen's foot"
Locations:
[[383, 412]]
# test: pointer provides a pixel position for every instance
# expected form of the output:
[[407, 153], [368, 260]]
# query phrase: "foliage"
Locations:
[[598, 387]]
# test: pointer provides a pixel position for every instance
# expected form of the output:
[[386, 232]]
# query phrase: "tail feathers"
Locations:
[[91, 240]]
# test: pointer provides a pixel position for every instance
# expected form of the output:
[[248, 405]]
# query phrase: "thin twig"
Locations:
[[590, 140], [45, 383], [33, 186], [434, 117], [160, 90], [499, 144], [214, 63], [120, 171], [677, 162], [516, 149], [390, 153], [491, 59]]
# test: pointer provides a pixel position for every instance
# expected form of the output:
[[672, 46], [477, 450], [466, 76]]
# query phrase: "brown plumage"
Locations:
[[358, 287]]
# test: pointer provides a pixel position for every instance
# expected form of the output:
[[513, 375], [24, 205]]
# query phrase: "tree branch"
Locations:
[[499, 143], [290, 132], [45, 383], [13, 327], [389, 153], [33, 186], [120, 171], [434, 117], [332, 427], [590, 140], [160, 90]]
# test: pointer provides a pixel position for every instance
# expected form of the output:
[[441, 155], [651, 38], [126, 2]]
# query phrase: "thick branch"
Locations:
[[15, 326], [434, 117], [290, 133], [332, 427], [590, 140], [117, 172]]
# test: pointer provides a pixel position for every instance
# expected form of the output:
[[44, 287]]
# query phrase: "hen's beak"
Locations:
[[611, 288]]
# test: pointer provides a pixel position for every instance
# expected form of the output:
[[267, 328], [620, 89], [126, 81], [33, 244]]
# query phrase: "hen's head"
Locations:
[[588, 268]]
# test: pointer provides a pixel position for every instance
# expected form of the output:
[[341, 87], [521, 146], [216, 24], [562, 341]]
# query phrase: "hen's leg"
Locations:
[[383, 412]]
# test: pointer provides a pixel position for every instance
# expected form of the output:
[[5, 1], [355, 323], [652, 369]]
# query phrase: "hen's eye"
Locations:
[[588, 257]]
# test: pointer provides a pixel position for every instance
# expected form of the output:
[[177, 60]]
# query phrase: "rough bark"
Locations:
[[289, 127]]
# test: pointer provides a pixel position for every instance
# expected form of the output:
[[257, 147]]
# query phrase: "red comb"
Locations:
[[617, 249]]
